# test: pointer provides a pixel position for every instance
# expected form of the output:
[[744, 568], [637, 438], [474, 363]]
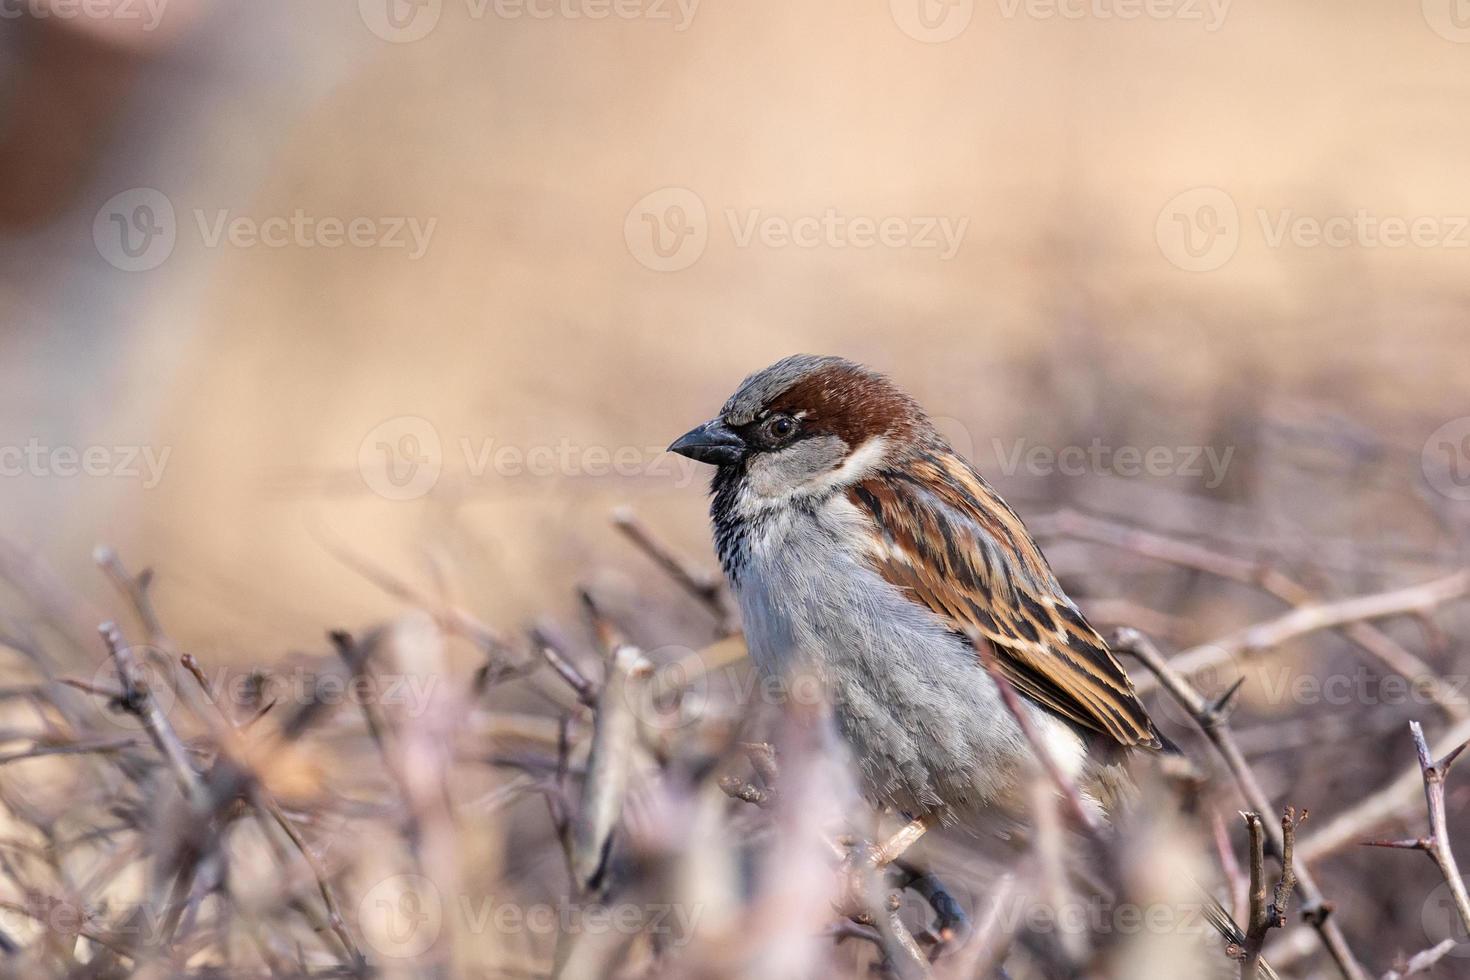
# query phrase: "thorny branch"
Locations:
[[1211, 717], [221, 780], [1261, 574], [1437, 844]]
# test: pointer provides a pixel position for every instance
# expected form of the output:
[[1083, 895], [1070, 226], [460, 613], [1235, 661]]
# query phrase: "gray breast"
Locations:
[[924, 720]]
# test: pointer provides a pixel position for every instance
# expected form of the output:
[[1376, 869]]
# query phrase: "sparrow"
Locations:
[[864, 551]]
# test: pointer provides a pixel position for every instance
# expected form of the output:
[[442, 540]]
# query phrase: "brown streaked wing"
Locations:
[[950, 541]]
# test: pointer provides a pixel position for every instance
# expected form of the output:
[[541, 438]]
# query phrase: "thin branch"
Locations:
[[1389, 803], [452, 618], [1264, 916], [42, 749], [546, 641], [1437, 844], [1422, 961], [703, 585], [1212, 721], [1322, 616], [265, 801], [138, 701], [1185, 554], [610, 762]]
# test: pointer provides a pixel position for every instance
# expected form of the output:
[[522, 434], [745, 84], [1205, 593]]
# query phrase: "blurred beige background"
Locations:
[[539, 149]]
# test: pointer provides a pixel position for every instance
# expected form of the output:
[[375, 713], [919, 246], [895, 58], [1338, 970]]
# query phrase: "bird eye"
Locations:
[[781, 426]]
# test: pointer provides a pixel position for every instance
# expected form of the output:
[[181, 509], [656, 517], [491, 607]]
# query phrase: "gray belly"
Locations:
[[928, 731]]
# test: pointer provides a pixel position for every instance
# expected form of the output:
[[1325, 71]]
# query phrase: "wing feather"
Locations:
[[945, 537]]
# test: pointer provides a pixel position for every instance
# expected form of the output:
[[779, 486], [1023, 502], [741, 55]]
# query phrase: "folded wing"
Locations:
[[943, 535]]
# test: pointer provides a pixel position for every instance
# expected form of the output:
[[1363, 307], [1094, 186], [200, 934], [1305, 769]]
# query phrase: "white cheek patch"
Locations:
[[859, 463]]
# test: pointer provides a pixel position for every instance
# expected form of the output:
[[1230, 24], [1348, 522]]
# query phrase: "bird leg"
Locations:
[[952, 924]]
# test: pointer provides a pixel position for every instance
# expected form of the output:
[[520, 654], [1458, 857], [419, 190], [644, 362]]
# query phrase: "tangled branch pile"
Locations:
[[598, 807]]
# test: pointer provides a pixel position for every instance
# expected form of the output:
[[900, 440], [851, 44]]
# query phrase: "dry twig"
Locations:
[[1437, 844], [1211, 718], [1265, 916]]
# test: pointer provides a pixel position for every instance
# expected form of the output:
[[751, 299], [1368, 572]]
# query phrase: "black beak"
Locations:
[[714, 442]]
